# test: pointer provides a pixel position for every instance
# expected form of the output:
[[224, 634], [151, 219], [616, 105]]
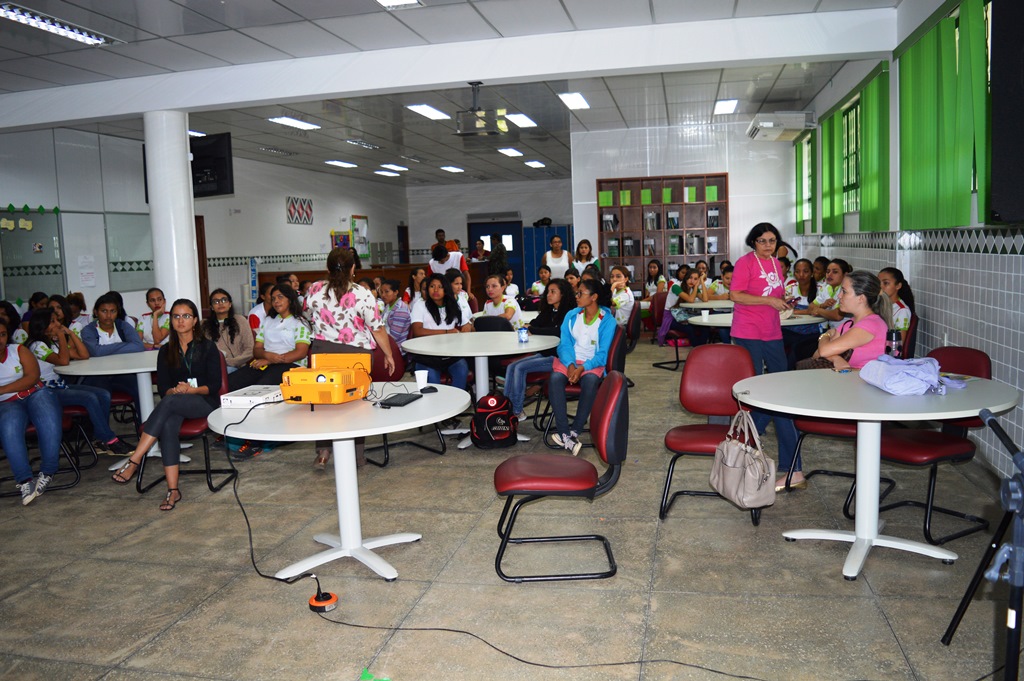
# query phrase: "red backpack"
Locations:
[[493, 425]]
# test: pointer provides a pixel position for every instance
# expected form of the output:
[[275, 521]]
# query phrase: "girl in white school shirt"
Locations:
[[499, 304], [897, 288], [154, 327], [282, 342]]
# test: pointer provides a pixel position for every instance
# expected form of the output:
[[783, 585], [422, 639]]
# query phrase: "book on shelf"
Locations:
[[649, 248], [625, 197], [711, 193], [694, 244], [690, 194], [712, 244], [629, 247], [646, 198], [652, 220], [673, 244], [605, 199], [613, 248], [672, 219], [713, 218], [610, 222], [666, 195]]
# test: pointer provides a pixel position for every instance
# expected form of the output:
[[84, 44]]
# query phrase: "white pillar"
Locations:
[[169, 180]]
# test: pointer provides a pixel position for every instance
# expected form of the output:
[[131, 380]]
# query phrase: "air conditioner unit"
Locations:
[[781, 126]]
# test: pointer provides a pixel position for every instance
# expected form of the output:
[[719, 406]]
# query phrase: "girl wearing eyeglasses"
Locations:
[[759, 295], [229, 330], [188, 378]]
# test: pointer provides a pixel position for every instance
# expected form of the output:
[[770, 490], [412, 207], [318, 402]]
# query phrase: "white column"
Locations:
[[169, 180]]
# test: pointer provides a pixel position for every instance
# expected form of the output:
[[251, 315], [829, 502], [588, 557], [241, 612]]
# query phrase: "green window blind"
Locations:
[[874, 155], [832, 174]]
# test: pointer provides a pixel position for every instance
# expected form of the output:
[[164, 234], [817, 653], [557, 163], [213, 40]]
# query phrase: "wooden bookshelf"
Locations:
[[677, 219]]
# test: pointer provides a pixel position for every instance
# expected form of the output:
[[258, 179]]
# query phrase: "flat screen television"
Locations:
[[212, 171]]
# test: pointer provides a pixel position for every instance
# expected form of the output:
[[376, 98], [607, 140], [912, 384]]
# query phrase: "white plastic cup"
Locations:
[[705, 314], [421, 379]]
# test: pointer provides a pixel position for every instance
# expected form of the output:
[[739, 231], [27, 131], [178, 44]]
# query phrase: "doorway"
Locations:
[[511, 234]]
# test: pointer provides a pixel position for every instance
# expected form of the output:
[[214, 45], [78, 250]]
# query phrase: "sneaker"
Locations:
[[102, 448], [28, 492], [559, 439], [42, 482], [522, 417], [573, 445], [119, 447], [245, 452]]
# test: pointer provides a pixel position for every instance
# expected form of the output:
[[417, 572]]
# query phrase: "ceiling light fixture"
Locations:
[[398, 4], [535, 164], [341, 164], [392, 166], [363, 143], [510, 152], [386, 173], [45, 22], [429, 111], [276, 151], [453, 169], [724, 107], [294, 123], [196, 133], [521, 120], [574, 100]]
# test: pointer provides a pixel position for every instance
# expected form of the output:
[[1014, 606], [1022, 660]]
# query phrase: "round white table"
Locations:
[[479, 346], [710, 305], [342, 423], [526, 316], [142, 364], [830, 394], [724, 320]]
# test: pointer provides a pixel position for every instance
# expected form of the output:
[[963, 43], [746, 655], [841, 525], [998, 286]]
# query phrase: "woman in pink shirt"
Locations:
[[862, 297], [759, 295]]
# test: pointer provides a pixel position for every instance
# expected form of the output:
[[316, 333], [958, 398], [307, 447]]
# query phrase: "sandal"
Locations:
[[323, 457], [169, 501], [120, 478]]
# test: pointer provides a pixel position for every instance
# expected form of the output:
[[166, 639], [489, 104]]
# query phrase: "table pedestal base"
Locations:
[[349, 542], [862, 546]]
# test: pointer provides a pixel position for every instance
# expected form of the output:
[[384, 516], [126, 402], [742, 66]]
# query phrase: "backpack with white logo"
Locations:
[[493, 425]]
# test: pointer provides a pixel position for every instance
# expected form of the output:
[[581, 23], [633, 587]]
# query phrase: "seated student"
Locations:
[[457, 281], [229, 331], [538, 287], [721, 267], [587, 334], [800, 341], [864, 299], [121, 313], [686, 289], [826, 303], [282, 342], [396, 313], [592, 272], [262, 307], [23, 399], [111, 334], [10, 318], [897, 288], [441, 313], [79, 312], [154, 326], [511, 289], [655, 282], [556, 303], [188, 380], [622, 297], [412, 292], [367, 283], [818, 268], [584, 256], [572, 276], [479, 252], [37, 301], [62, 313], [787, 278], [719, 290], [53, 344], [499, 304]]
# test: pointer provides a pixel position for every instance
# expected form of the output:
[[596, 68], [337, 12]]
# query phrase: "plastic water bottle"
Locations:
[[524, 334], [893, 343]]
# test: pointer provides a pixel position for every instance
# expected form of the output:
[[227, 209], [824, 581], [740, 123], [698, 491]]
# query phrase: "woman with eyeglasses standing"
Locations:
[[759, 295], [229, 330], [188, 380]]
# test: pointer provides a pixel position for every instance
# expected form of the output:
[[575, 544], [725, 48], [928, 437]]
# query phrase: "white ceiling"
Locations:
[[161, 36]]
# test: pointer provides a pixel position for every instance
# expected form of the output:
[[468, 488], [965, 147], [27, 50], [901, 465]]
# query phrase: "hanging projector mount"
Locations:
[[476, 121]]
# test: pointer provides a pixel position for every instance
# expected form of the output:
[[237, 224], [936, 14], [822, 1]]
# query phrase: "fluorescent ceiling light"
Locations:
[[429, 111], [535, 164], [196, 133], [341, 164], [725, 106], [453, 169], [392, 166], [574, 100], [386, 173], [363, 143], [45, 22], [398, 4], [294, 123], [509, 151], [276, 151], [521, 120]]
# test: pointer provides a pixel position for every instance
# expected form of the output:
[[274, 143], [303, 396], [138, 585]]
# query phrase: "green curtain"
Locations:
[[944, 130], [832, 174], [814, 178], [874, 155], [800, 198]]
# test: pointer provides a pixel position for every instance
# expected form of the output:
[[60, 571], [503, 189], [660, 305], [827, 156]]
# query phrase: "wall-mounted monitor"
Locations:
[[212, 171]]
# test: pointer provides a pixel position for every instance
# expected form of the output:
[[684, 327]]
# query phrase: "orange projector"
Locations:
[[331, 379]]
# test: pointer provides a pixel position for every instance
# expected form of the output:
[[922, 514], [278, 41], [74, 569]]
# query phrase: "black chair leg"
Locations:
[[977, 524], [441, 450], [666, 500], [229, 473], [675, 365]]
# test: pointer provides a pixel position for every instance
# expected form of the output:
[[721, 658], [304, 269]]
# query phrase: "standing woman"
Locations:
[[585, 255], [154, 327], [758, 293], [188, 380], [229, 331], [345, 319], [557, 259]]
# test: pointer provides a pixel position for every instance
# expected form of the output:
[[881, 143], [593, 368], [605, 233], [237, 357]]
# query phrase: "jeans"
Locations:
[[770, 354], [96, 402], [165, 422], [43, 410], [515, 378], [458, 371], [123, 382], [697, 335], [556, 394]]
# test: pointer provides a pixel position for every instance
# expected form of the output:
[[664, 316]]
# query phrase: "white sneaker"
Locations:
[[28, 492], [573, 445], [522, 417], [559, 439], [41, 483]]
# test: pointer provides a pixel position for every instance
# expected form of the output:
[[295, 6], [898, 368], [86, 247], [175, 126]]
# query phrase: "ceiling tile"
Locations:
[[300, 39], [525, 17], [231, 46], [378, 31], [106, 62], [648, 80], [245, 14], [51, 72], [693, 93], [168, 55], [447, 23], [15, 82], [760, 73], [326, 9], [157, 17], [762, 8], [588, 14], [642, 97], [669, 11]]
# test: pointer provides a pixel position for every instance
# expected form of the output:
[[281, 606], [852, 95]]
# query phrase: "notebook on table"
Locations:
[[400, 399]]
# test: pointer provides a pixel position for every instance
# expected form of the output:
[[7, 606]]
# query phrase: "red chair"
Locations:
[[380, 374], [537, 476], [929, 448], [122, 407], [705, 388], [190, 430], [658, 312], [910, 344], [81, 444], [65, 451], [633, 329]]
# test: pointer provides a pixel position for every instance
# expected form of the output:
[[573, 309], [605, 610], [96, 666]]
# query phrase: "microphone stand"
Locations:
[[1010, 556]]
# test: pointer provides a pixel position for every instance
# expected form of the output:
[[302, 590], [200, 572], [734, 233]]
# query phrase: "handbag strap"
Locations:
[[743, 429]]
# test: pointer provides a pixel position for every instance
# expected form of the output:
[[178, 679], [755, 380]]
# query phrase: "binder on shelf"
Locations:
[[610, 222], [711, 193], [672, 219], [613, 248], [629, 247], [712, 244], [694, 244], [652, 220], [691, 194], [666, 195], [625, 197], [649, 248], [645, 197], [673, 244], [605, 199], [712, 218]]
